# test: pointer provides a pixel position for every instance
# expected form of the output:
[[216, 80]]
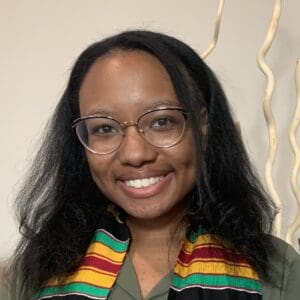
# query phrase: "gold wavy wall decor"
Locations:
[[214, 41], [268, 112], [295, 171]]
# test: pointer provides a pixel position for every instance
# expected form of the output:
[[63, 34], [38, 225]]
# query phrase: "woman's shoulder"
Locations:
[[284, 248], [284, 272]]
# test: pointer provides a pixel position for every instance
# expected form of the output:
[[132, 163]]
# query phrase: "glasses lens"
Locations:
[[99, 134], [162, 128]]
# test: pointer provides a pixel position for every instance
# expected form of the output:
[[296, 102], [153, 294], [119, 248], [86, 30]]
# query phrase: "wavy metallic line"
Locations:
[[295, 171], [213, 43], [268, 112]]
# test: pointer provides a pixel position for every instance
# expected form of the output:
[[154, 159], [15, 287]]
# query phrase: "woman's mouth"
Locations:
[[144, 182], [144, 187]]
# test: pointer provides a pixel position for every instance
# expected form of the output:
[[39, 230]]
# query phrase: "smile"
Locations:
[[144, 182], [145, 187]]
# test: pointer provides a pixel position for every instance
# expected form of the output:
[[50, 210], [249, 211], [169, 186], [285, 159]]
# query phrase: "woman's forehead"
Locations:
[[129, 80]]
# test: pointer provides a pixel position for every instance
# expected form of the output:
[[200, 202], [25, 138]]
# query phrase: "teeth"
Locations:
[[145, 182]]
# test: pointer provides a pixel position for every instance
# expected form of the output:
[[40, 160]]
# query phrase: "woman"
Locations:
[[143, 190]]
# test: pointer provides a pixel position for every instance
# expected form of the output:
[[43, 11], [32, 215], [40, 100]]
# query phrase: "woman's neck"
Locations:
[[159, 229], [157, 235], [154, 248]]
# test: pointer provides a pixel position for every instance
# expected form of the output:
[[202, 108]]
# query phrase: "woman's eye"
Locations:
[[162, 123], [104, 130]]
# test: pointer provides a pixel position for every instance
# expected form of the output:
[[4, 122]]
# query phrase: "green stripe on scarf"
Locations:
[[105, 239], [79, 288], [216, 281], [195, 234]]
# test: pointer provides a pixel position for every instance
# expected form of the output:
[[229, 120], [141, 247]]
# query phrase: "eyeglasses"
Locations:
[[162, 127]]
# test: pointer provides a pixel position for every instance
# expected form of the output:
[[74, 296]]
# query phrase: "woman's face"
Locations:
[[124, 85]]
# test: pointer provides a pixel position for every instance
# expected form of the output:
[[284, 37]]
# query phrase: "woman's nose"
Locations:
[[134, 150]]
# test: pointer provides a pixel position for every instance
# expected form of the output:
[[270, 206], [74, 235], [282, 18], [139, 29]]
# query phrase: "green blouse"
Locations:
[[127, 286]]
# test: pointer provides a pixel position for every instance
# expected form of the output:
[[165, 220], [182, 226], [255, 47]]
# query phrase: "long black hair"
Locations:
[[59, 205]]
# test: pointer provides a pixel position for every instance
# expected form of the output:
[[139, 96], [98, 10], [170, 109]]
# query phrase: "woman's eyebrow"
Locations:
[[162, 102], [154, 105], [100, 111]]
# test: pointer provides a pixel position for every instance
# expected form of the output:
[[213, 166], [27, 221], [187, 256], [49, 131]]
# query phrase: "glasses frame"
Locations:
[[127, 124]]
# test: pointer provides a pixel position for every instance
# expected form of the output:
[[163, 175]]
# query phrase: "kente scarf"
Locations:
[[206, 269]]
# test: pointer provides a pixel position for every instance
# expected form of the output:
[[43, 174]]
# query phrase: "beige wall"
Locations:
[[41, 39]]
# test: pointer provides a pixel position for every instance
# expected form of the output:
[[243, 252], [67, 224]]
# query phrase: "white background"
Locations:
[[40, 40]]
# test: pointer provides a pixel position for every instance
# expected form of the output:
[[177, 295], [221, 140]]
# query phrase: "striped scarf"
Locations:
[[206, 269]]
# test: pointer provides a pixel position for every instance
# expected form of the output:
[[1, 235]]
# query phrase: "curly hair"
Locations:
[[59, 205]]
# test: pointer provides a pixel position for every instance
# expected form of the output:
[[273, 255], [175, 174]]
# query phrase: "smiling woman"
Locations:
[[142, 188], [136, 80]]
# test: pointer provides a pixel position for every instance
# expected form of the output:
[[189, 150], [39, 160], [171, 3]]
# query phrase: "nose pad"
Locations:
[[134, 150]]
